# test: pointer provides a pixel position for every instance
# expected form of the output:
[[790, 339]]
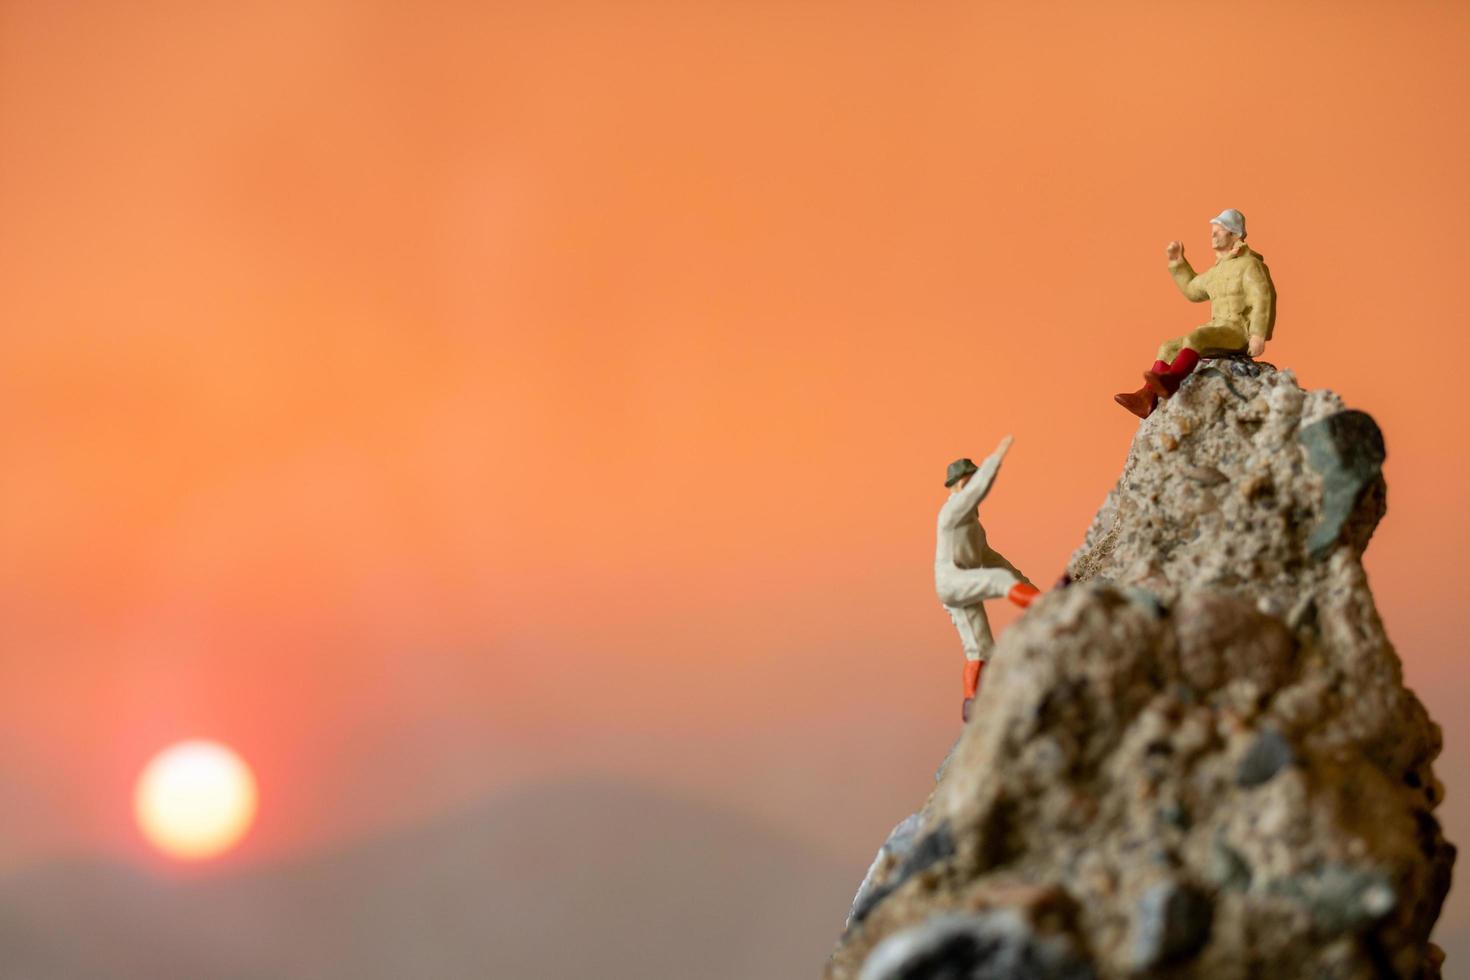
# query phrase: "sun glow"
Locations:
[[195, 800]]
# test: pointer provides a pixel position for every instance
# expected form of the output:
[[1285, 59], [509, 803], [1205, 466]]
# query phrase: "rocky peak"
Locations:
[[1198, 759]]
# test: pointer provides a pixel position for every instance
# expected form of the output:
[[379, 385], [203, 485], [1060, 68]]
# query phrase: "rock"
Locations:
[[990, 946], [1222, 638], [1268, 755], [1211, 702], [1347, 449], [1171, 924], [1147, 600]]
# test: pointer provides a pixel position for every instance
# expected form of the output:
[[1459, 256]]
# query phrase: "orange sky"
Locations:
[[427, 398]]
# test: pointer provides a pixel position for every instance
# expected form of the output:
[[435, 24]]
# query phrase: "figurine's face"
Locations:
[[1221, 237]]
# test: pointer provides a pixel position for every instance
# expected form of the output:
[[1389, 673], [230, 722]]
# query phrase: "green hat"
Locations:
[[958, 470]]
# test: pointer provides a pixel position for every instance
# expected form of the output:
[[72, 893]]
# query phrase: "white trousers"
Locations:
[[967, 586], [963, 590]]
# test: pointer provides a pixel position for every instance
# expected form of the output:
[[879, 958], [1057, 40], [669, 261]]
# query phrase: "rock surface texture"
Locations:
[[1199, 759]]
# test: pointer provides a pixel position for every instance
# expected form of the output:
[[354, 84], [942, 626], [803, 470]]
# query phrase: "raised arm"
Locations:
[[970, 495], [1183, 274]]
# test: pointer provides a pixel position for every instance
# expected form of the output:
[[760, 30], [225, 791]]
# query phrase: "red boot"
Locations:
[[1022, 594], [1141, 402], [1165, 383]]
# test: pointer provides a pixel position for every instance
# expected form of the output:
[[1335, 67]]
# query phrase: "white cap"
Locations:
[[1232, 221]]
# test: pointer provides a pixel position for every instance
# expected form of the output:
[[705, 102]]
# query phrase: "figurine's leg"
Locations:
[[1165, 383], [1143, 401], [1212, 340], [1186, 353], [967, 586], [1170, 349]]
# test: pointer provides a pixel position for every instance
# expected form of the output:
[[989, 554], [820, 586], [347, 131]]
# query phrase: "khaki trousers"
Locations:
[[1210, 340]]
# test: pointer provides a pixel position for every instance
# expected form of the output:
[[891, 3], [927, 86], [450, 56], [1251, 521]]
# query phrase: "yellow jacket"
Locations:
[[1238, 287]]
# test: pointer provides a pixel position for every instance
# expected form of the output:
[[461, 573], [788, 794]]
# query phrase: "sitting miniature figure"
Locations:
[[1243, 312], [967, 571]]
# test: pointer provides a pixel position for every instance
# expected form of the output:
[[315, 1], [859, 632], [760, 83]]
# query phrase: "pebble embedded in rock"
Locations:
[[930, 849], [1342, 898], [1171, 923], [1268, 755], [897, 847], [1228, 869], [998, 945], [1347, 449], [1206, 476]]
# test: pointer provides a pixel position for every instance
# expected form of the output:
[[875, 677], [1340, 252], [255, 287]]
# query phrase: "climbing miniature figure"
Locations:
[[1242, 306], [967, 571]]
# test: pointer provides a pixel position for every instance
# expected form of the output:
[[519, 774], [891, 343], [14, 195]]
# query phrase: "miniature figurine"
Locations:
[[1243, 311], [967, 571]]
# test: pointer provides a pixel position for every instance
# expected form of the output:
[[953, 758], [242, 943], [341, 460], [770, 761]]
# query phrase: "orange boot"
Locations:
[[1022, 594], [972, 686]]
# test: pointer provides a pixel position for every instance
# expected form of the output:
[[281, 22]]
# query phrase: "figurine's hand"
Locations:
[[1257, 346], [965, 709], [1175, 251]]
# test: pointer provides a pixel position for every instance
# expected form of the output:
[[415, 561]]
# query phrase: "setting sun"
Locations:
[[195, 800]]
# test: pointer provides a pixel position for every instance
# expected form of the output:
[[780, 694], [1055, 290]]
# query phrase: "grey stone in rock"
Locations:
[[1240, 365], [933, 847], [1267, 755], [899, 843], [1175, 815], [1347, 449], [1342, 898], [1172, 922], [1224, 375], [1227, 869], [998, 945], [1248, 368]]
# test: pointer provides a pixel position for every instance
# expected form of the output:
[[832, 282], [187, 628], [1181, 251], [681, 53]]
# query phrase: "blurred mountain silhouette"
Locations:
[[583, 879]]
